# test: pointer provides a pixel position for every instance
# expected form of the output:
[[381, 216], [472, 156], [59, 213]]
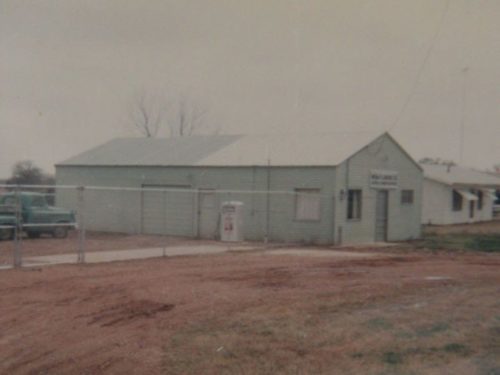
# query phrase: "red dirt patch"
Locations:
[[254, 314], [125, 312]]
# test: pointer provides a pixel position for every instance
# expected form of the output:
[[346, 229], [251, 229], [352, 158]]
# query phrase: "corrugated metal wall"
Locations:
[[178, 213]]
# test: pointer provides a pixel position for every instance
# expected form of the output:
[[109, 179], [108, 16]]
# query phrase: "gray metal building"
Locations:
[[327, 189]]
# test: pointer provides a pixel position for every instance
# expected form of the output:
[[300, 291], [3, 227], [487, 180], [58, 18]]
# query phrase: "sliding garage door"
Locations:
[[169, 211]]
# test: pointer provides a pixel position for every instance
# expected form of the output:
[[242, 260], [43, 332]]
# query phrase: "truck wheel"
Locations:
[[6, 234], [60, 232], [33, 234]]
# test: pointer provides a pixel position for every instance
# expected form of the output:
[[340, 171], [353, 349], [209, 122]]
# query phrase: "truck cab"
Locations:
[[30, 212]]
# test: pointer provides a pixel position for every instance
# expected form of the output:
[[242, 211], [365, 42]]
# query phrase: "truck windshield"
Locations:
[[9, 201], [38, 202]]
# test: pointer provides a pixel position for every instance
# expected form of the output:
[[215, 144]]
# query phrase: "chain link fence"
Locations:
[[42, 220]]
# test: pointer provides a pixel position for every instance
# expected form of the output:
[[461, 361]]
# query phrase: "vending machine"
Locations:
[[231, 228]]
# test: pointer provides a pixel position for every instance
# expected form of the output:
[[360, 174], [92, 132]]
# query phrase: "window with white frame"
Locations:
[[307, 204], [354, 204]]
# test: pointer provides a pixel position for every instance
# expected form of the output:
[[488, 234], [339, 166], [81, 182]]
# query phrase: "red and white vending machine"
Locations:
[[231, 229]]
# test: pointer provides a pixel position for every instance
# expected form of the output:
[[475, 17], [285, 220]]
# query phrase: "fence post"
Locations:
[[268, 209], [197, 213], [18, 259], [164, 211], [81, 224]]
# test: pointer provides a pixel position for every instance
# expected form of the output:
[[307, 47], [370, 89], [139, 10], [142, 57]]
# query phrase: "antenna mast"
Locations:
[[465, 70]]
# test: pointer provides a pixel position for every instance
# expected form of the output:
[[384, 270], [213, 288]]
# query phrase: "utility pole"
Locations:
[[465, 70], [268, 197], [297, 36], [18, 232]]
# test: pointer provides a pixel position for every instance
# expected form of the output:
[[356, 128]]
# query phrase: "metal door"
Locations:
[[169, 211], [153, 212], [208, 214], [381, 215]]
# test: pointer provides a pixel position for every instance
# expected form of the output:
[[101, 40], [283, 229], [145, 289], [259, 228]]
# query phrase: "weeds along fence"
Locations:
[[30, 214]]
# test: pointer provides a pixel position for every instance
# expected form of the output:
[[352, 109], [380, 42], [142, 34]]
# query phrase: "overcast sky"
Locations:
[[70, 68]]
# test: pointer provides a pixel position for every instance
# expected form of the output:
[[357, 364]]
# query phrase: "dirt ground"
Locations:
[[408, 313]]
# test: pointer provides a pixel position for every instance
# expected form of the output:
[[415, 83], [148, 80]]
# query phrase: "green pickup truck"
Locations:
[[35, 216]]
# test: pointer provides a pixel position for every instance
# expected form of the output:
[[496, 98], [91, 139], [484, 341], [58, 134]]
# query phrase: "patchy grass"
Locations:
[[456, 348], [467, 242], [379, 324], [484, 243], [423, 331], [444, 354], [427, 331], [392, 358], [303, 340]]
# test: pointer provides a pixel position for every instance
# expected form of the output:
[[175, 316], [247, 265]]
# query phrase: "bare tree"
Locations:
[[150, 113], [146, 114], [436, 161], [188, 118]]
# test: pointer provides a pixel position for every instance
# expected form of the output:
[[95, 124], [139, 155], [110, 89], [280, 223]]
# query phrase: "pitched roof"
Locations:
[[457, 175], [227, 150]]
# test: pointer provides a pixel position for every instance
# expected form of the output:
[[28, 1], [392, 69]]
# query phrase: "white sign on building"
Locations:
[[383, 179]]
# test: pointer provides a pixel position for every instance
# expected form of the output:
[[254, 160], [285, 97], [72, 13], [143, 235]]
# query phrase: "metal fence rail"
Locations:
[[178, 212]]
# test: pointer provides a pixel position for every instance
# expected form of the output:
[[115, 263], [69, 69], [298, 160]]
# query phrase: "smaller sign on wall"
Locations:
[[383, 179]]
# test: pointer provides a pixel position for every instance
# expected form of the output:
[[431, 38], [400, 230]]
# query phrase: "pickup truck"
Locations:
[[35, 216]]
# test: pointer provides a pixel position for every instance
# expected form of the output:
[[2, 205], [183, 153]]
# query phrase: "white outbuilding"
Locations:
[[454, 195]]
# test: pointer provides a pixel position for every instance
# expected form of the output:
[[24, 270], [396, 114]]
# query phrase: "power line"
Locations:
[[420, 71], [462, 113]]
